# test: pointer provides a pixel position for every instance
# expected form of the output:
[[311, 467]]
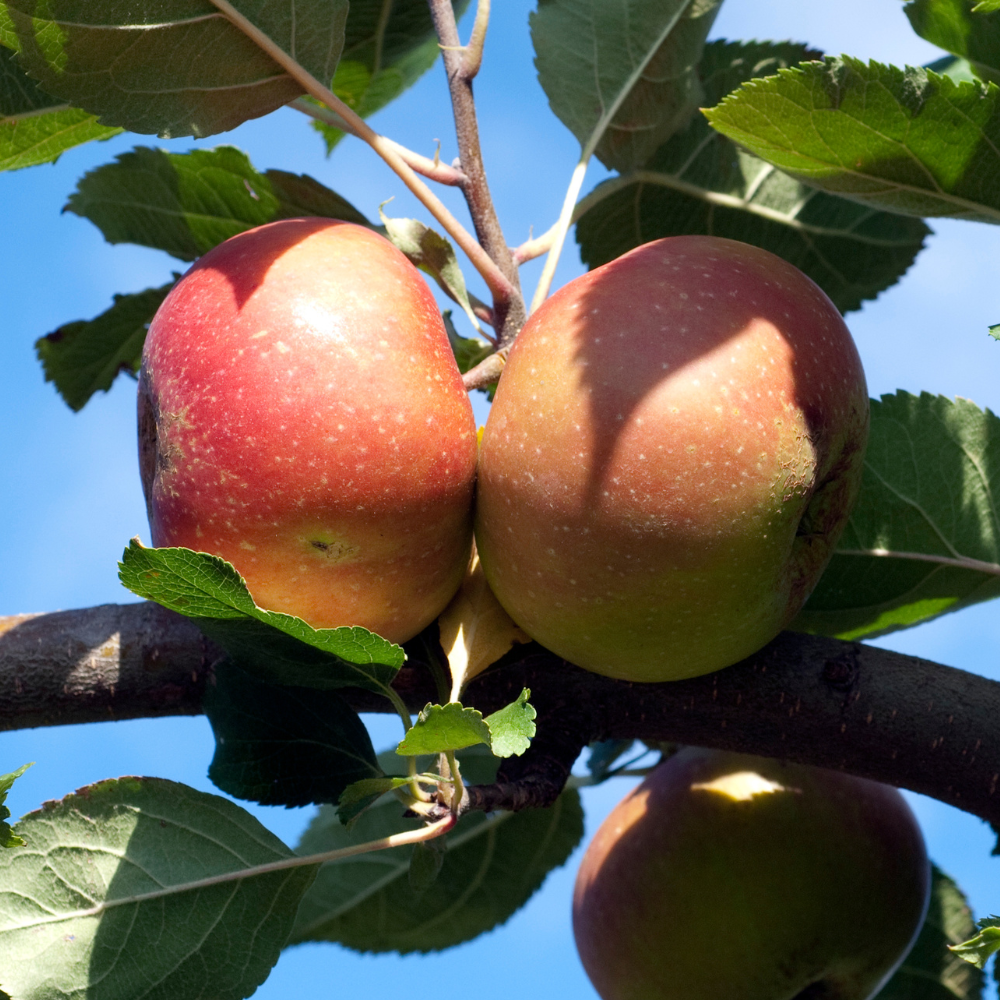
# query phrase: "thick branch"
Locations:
[[871, 712], [510, 316]]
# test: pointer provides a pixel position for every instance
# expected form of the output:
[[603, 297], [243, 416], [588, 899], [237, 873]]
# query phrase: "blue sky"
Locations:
[[70, 496]]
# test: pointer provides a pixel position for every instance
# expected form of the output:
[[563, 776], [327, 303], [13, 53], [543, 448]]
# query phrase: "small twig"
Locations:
[[487, 372], [472, 55], [433, 169], [534, 246], [498, 283]]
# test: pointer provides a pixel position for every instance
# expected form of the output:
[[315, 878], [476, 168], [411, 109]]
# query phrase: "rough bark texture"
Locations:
[[882, 715]]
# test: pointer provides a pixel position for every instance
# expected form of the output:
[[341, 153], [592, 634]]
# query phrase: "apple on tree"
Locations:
[[729, 877], [674, 448], [302, 415]]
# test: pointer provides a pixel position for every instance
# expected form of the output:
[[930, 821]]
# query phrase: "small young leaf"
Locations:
[[433, 254], [922, 539], [513, 727], [994, 331], [277, 647], [621, 77], [85, 905], [932, 970], [986, 7], [904, 140], [363, 794], [7, 837], [144, 68], [187, 203], [492, 867], [442, 728], [86, 356], [284, 746]]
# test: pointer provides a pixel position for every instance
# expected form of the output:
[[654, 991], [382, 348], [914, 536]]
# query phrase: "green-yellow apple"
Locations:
[[301, 415], [727, 877], [675, 445]]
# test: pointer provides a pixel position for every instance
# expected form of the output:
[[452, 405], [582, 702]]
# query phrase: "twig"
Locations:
[[509, 313], [498, 283], [487, 372], [472, 54], [560, 230], [434, 170]]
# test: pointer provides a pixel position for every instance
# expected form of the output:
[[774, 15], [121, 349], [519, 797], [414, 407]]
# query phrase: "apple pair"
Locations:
[[673, 450]]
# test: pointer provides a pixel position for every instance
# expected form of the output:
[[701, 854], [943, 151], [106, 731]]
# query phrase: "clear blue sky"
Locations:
[[70, 495]]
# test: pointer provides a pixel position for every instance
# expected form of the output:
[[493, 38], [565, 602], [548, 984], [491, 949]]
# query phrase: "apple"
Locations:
[[728, 877], [301, 415], [675, 445]]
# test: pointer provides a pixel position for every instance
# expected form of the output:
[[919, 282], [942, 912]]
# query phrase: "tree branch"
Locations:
[[461, 66], [843, 705]]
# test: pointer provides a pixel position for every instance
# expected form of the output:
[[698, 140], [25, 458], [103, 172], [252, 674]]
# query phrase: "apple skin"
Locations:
[[674, 448], [816, 888], [302, 416]]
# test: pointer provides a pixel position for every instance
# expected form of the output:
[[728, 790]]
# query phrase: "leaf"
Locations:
[[103, 901], [956, 26], [35, 127], [7, 837], [425, 864], [187, 203], [908, 141], [175, 68], [475, 630], [443, 728], [363, 794], [699, 182], [433, 254], [924, 538], [603, 756], [994, 331], [277, 647], [512, 728], [930, 971], [491, 868], [621, 75], [387, 47], [986, 6], [284, 746], [85, 356]]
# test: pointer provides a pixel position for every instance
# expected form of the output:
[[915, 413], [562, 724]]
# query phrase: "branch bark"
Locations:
[[843, 705]]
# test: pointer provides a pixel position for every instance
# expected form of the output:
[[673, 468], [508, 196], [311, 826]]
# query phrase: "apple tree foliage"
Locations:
[[830, 163]]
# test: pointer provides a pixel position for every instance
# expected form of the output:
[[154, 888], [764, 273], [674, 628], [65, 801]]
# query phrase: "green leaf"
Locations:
[[513, 727], [908, 141], [700, 182], [363, 794], [604, 755], [979, 948], [284, 746], [104, 902], [7, 836], [425, 864], [187, 203], [492, 867], [994, 331], [924, 537], [277, 647], [443, 728], [986, 6], [387, 47], [958, 27], [931, 971], [175, 68], [86, 356], [433, 254], [468, 351], [959, 70]]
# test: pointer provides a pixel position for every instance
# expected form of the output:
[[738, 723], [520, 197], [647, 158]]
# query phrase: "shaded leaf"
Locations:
[[621, 75], [387, 47], [700, 182], [7, 837], [930, 971], [492, 867], [512, 728], [284, 746], [468, 351], [35, 127], [175, 68], [904, 140], [425, 864], [101, 903], [956, 26], [603, 756], [278, 647], [924, 537], [442, 728], [363, 794], [187, 203], [85, 356]]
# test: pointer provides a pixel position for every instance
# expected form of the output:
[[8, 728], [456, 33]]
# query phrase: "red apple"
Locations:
[[726, 877], [675, 445], [302, 416]]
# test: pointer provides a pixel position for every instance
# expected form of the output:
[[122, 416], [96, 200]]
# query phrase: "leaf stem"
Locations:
[[498, 283], [472, 55], [401, 710], [458, 789]]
